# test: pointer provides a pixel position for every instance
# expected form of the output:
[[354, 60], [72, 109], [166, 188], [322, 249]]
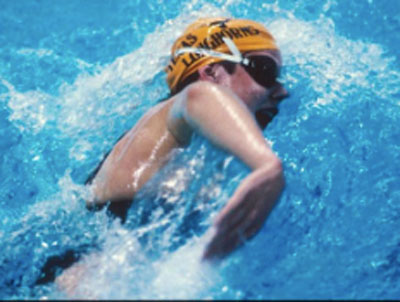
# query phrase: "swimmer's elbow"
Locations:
[[273, 166], [278, 173]]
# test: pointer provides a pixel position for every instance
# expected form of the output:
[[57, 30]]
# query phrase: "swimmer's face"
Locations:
[[255, 95], [260, 95]]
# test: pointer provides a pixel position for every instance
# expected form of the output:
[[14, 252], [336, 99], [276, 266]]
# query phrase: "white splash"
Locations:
[[334, 64]]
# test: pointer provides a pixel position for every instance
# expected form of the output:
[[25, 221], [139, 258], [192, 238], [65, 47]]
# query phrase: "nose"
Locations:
[[278, 92]]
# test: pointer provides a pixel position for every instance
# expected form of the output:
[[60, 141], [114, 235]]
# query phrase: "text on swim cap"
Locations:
[[211, 42]]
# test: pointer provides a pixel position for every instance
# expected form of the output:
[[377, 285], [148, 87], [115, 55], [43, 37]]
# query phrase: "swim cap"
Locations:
[[210, 33]]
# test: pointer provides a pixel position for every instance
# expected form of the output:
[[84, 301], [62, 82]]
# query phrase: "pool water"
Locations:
[[76, 75]]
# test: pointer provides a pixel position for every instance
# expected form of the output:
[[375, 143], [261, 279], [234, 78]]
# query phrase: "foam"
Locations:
[[336, 66]]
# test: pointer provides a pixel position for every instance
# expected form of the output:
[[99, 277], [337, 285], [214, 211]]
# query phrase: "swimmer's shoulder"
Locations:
[[159, 112]]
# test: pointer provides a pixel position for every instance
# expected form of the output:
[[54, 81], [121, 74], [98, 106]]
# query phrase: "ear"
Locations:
[[212, 73]]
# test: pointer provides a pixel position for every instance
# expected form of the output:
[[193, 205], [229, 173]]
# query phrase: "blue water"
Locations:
[[74, 75]]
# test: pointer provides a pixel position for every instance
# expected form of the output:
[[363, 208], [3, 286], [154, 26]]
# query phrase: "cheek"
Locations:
[[247, 89], [253, 96], [256, 93], [244, 85]]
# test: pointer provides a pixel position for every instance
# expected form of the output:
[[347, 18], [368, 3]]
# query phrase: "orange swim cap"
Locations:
[[208, 33]]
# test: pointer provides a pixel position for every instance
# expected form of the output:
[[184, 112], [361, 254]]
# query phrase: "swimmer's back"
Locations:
[[136, 157]]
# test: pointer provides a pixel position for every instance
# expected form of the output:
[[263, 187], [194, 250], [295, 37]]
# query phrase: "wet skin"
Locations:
[[255, 197], [217, 96]]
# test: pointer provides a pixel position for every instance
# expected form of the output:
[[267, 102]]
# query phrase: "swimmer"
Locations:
[[222, 76]]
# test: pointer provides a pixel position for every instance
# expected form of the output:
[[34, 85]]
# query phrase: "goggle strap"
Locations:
[[232, 47]]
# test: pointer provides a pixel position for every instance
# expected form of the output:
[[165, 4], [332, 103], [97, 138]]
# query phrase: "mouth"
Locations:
[[265, 115], [270, 112]]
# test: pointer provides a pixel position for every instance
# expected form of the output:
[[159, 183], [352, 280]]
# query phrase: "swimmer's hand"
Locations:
[[246, 211]]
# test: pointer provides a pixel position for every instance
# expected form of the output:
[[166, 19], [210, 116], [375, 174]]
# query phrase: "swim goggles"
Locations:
[[263, 69]]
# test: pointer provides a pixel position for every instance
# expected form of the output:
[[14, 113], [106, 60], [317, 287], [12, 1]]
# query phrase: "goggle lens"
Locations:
[[262, 69]]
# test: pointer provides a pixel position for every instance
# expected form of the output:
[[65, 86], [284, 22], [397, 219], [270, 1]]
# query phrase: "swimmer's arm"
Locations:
[[222, 118]]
